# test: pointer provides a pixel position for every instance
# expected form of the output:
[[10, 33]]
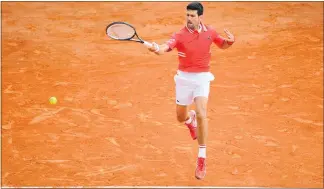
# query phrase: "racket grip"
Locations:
[[148, 44]]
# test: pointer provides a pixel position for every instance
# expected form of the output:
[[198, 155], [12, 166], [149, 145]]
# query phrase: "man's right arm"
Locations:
[[166, 47], [159, 49]]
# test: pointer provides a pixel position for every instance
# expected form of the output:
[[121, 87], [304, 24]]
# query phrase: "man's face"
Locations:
[[192, 19]]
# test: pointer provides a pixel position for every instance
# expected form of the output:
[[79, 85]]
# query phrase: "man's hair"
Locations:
[[196, 6]]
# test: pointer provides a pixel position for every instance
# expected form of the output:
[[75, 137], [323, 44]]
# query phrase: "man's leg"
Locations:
[[189, 118], [201, 95], [184, 98], [202, 128]]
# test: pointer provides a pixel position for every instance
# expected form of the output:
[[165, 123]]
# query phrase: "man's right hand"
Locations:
[[154, 48], [159, 49]]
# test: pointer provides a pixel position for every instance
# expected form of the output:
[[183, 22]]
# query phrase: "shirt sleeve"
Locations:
[[172, 42], [217, 39]]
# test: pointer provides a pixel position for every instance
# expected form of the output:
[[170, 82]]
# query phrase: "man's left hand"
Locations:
[[230, 36]]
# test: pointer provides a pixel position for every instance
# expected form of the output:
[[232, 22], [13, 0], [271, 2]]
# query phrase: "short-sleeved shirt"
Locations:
[[194, 48]]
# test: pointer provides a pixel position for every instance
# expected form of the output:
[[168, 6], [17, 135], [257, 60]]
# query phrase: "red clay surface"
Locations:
[[115, 121]]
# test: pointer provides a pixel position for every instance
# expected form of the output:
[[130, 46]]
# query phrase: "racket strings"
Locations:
[[120, 31]]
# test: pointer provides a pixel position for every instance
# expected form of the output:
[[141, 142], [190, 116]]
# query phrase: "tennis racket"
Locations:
[[123, 31]]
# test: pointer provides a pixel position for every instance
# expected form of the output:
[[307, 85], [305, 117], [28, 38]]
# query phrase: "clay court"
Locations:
[[115, 123]]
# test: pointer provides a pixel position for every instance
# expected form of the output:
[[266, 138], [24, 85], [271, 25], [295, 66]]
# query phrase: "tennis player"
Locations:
[[193, 77]]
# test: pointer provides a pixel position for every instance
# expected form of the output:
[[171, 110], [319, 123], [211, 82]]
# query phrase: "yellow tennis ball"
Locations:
[[53, 100]]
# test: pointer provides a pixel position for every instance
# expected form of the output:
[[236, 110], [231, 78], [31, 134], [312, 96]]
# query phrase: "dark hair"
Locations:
[[196, 6]]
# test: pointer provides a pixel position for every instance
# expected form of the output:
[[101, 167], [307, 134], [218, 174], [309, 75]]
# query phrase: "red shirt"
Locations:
[[194, 48]]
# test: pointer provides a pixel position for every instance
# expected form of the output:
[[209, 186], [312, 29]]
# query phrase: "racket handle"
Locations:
[[148, 44]]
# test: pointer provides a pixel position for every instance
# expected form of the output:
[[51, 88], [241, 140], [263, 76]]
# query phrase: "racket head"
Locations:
[[120, 31]]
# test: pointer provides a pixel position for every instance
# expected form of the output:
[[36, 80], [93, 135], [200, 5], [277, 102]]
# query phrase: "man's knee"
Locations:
[[182, 113], [201, 107], [181, 117], [201, 114]]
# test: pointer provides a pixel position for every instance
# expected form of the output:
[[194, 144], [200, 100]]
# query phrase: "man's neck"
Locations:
[[198, 28]]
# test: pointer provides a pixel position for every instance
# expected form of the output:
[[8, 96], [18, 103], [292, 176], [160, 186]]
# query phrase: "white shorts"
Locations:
[[191, 85]]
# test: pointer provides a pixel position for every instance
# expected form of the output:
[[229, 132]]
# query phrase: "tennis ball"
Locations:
[[53, 100]]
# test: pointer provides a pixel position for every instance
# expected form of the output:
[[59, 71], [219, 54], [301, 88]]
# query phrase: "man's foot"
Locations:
[[193, 125], [201, 168]]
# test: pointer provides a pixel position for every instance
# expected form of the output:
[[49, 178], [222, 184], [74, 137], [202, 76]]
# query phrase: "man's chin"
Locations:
[[190, 26]]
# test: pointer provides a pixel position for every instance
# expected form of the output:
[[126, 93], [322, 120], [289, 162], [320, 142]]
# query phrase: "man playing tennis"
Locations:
[[193, 77]]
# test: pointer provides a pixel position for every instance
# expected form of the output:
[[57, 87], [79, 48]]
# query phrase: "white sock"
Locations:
[[202, 151], [189, 120]]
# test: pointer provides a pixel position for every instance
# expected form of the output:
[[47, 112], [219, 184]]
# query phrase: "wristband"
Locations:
[[157, 47], [229, 43]]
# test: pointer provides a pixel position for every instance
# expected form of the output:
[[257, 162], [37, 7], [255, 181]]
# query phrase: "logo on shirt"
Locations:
[[209, 37]]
